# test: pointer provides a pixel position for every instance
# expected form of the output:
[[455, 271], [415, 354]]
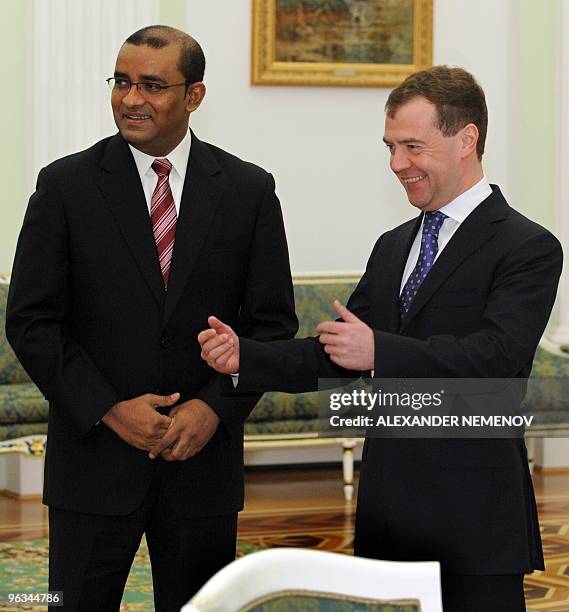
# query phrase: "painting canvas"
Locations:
[[340, 42]]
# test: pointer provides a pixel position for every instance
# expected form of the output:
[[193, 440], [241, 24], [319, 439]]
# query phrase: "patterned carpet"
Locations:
[[333, 530], [23, 567], [549, 590], [23, 564]]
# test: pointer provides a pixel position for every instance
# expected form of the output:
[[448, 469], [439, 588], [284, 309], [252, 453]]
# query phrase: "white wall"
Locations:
[[482, 37], [324, 144]]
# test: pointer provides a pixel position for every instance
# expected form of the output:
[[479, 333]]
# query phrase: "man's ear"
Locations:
[[468, 139], [195, 95]]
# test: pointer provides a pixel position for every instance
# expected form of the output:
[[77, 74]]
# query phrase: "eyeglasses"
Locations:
[[145, 87]]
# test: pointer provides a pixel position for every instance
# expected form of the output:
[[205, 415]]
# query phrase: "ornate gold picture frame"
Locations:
[[363, 43]]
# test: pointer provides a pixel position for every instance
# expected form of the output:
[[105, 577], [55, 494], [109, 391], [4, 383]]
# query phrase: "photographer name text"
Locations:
[[472, 420]]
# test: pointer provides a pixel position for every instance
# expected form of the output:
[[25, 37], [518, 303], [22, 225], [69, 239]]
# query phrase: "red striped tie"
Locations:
[[163, 215]]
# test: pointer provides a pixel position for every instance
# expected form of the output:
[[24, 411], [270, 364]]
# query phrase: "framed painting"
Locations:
[[365, 43]]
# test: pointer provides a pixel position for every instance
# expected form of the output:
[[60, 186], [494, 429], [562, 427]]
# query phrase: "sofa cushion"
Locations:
[[10, 432], [314, 300], [547, 397], [285, 426], [22, 403], [10, 369], [284, 406]]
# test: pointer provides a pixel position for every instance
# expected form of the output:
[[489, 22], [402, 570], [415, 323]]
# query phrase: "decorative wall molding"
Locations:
[[559, 331], [73, 46]]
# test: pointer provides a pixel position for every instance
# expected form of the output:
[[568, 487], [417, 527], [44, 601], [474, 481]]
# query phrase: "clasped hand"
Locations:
[[350, 343], [177, 436]]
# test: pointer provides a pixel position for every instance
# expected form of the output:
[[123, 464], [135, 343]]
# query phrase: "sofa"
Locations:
[[23, 409], [282, 421], [279, 420], [281, 414]]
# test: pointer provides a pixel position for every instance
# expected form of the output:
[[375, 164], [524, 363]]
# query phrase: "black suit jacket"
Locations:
[[90, 321], [479, 314]]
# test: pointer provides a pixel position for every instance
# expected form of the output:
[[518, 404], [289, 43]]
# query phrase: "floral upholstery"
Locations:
[[23, 409], [283, 406], [294, 601], [314, 300], [282, 412], [11, 432], [22, 403], [10, 369], [547, 396], [283, 426]]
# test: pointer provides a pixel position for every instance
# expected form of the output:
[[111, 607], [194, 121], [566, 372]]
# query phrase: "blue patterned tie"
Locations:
[[429, 247]]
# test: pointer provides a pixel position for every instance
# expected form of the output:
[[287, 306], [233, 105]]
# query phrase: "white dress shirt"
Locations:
[[456, 211], [178, 157]]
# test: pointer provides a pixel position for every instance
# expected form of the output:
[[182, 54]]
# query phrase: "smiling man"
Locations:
[[434, 168], [118, 264], [464, 290], [152, 116]]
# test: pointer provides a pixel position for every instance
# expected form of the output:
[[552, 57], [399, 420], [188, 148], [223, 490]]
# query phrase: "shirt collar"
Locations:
[[466, 202], [178, 157]]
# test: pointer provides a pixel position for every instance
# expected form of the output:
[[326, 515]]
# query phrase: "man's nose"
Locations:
[[133, 97], [399, 161]]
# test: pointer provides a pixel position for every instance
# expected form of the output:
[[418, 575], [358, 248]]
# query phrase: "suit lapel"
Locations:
[[473, 233], [200, 198], [122, 189], [386, 302]]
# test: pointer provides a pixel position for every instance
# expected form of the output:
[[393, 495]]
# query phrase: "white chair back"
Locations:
[[283, 569]]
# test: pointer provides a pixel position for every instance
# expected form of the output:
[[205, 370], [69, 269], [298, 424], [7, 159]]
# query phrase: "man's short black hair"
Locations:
[[192, 59]]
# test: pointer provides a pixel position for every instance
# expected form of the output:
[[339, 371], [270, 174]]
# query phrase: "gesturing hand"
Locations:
[[350, 343], [193, 425], [137, 422], [220, 347]]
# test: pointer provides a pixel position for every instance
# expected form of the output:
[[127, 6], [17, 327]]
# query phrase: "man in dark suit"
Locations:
[[125, 249], [463, 291]]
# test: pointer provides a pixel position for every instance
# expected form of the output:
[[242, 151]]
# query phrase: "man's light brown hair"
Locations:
[[457, 97]]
